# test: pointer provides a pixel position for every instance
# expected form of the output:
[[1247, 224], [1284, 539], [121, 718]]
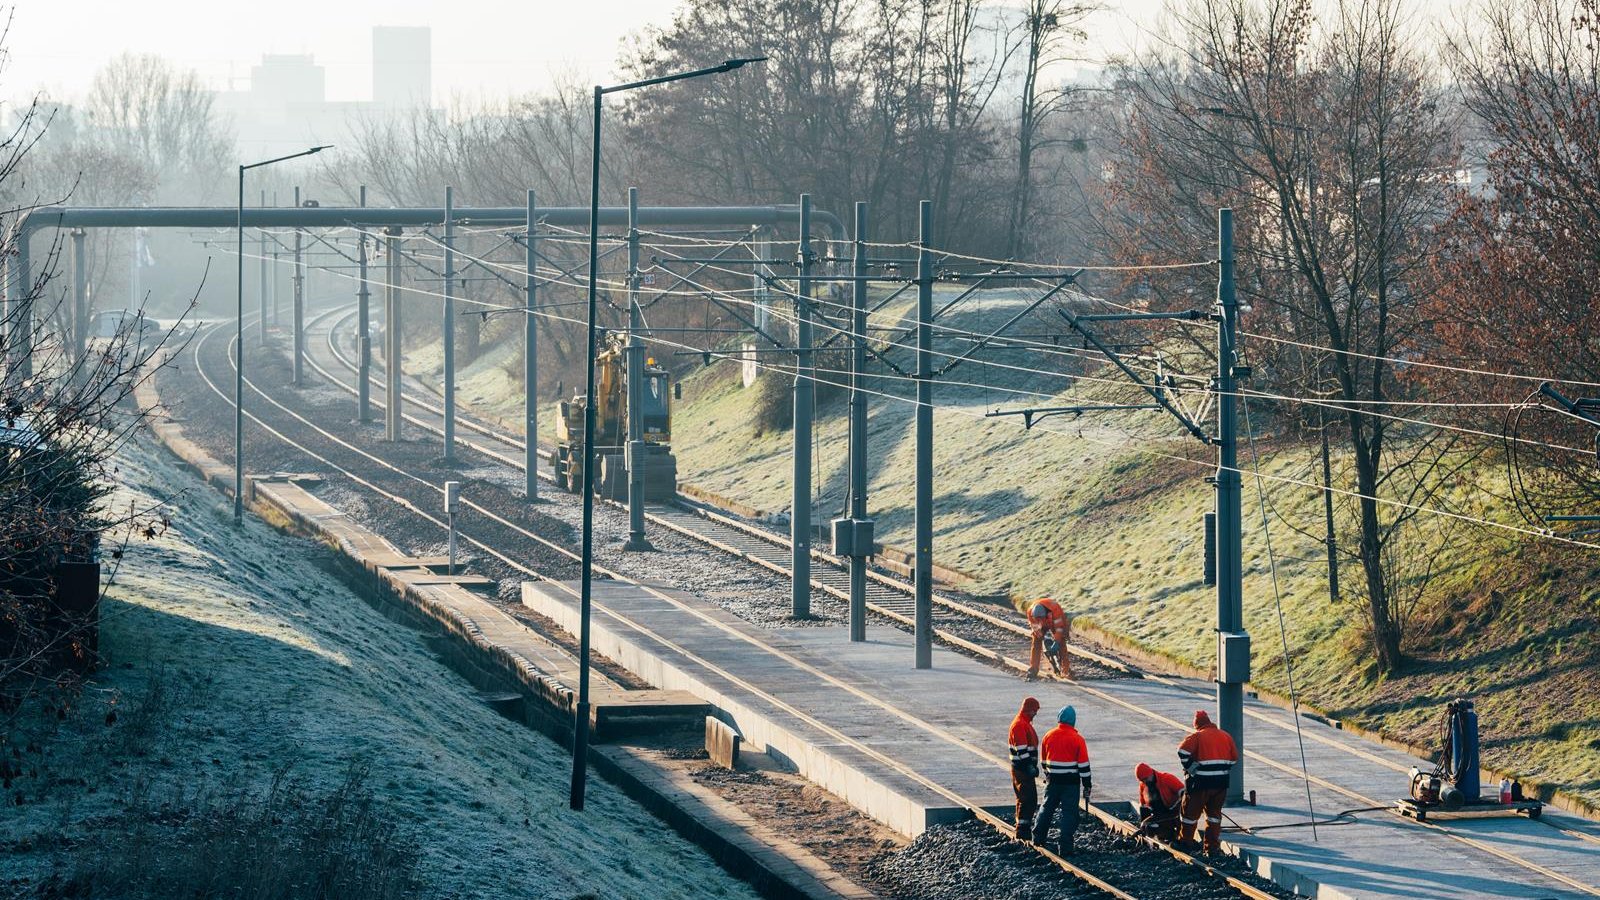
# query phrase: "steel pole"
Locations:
[[804, 401], [238, 372], [635, 385], [858, 425], [448, 328], [261, 298], [22, 308], [530, 360], [277, 265], [923, 568], [580, 724], [1233, 647], [391, 334], [299, 300], [80, 299], [363, 326]]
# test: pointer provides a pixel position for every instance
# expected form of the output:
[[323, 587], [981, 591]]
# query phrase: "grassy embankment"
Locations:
[[260, 730], [1105, 513]]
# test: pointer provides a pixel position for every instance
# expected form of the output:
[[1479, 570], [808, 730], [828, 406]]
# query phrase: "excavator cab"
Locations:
[[611, 430]]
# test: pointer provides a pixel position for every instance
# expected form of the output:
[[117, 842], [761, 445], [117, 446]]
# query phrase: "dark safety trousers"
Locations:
[[1060, 801], [1207, 801], [1026, 786]]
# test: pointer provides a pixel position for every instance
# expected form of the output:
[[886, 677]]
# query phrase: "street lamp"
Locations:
[[580, 725], [238, 369]]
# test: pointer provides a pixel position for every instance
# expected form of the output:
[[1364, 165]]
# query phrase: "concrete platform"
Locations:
[[912, 748]]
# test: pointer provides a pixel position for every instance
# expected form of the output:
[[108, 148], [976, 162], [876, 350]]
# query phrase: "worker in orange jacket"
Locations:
[[1065, 760], [1023, 743], [1208, 756], [1051, 628], [1160, 796]]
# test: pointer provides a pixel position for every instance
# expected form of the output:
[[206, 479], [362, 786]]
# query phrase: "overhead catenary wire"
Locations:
[[1335, 404]]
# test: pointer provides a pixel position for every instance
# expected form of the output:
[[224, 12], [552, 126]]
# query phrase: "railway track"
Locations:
[[326, 448], [891, 598], [888, 597]]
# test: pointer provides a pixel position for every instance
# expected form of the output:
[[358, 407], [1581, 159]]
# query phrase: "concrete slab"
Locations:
[[911, 748]]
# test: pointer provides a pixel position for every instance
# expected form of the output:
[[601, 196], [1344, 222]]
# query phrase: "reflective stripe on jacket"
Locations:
[[1208, 755], [1065, 755], [1023, 741]]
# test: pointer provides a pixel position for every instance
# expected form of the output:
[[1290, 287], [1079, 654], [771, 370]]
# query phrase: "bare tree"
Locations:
[[1046, 29], [1332, 145], [165, 118]]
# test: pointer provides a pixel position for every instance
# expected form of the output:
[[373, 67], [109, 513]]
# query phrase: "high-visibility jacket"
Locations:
[[1024, 741], [1169, 788], [1056, 621], [1208, 755], [1065, 755]]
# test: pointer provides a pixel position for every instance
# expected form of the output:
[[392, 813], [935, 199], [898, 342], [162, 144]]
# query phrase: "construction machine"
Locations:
[[611, 430]]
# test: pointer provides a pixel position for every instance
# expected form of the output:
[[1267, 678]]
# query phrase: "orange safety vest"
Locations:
[[1023, 741], [1065, 755], [1208, 755], [1168, 789], [1056, 621]]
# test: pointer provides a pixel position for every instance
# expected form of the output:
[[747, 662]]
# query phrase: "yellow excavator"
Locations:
[[611, 430]]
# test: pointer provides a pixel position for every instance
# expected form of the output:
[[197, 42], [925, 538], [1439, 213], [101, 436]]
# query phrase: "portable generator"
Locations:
[[1453, 788]]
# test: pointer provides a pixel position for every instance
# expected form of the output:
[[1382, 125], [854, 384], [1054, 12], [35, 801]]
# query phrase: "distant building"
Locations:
[[402, 67], [286, 106]]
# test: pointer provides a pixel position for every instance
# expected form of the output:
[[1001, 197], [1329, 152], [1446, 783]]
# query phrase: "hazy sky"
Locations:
[[480, 47]]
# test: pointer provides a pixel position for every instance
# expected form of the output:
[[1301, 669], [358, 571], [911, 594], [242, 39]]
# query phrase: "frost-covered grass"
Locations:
[[270, 669]]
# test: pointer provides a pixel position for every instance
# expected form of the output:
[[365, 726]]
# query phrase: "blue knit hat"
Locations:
[[1067, 716]]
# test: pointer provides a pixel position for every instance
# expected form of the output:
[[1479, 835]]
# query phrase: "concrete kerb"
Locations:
[[775, 867], [908, 809]]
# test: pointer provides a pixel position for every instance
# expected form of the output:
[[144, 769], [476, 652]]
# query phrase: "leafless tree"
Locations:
[[1331, 142]]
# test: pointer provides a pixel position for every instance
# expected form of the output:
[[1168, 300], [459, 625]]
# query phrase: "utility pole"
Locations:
[[391, 335], [277, 264], [448, 328], [635, 386], [80, 298], [363, 325], [762, 282], [1233, 644], [530, 359], [861, 526], [804, 397], [299, 300], [261, 326], [923, 564]]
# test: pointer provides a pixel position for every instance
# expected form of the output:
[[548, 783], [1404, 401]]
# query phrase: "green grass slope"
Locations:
[[1105, 511]]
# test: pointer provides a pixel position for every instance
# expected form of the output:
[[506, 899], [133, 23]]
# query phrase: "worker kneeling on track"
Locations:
[[1160, 796], [1065, 759], [1208, 755], [1024, 746], [1051, 628]]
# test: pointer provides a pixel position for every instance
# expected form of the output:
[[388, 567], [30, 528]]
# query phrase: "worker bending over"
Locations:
[[1051, 629], [1208, 755], [1024, 746], [1065, 759], [1160, 794]]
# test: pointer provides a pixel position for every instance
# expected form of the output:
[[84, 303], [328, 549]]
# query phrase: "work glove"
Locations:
[[1033, 770]]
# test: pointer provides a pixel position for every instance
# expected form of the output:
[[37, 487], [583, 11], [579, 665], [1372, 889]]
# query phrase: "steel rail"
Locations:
[[1110, 821], [1000, 659], [974, 808]]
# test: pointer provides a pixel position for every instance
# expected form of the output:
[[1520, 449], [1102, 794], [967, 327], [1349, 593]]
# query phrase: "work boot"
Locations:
[[1031, 676], [1190, 846], [1025, 831]]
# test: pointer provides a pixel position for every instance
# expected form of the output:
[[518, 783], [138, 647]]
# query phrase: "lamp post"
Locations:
[[580, 724], [238, 369]]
